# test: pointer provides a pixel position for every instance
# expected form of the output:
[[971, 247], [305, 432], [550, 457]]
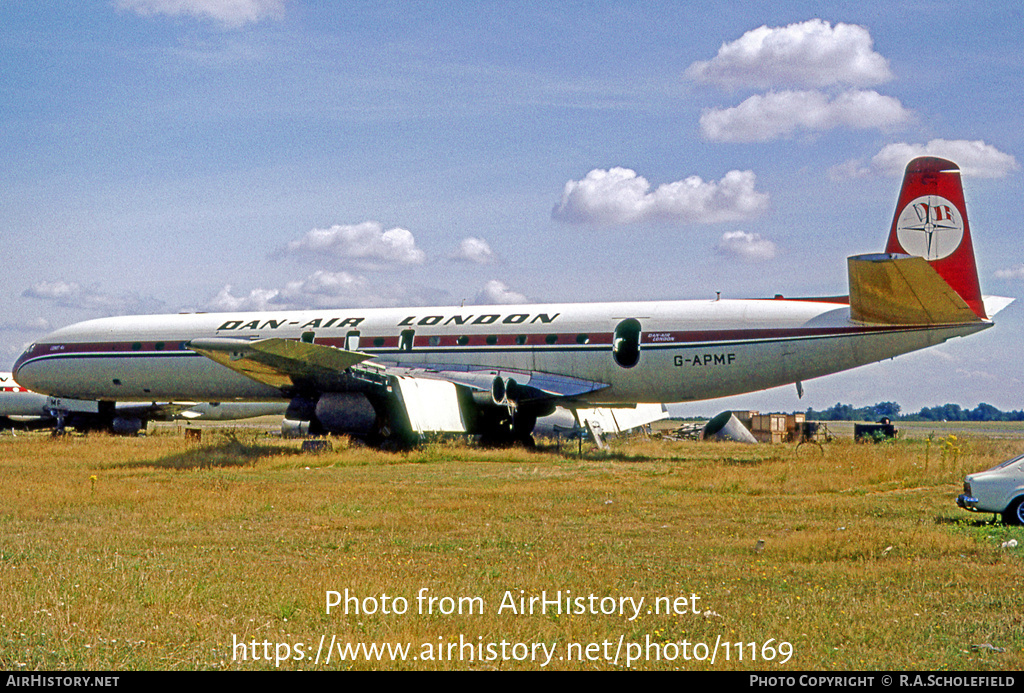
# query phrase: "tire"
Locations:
[[1014, 513]]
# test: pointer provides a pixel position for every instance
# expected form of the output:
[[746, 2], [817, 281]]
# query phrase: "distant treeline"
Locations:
[[891, 410]]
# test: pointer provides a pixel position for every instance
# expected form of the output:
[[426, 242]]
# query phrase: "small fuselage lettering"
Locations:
[[702, 360]]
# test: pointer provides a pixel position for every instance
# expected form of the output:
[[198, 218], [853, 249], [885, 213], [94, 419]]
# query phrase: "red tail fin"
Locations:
[[931, 222]]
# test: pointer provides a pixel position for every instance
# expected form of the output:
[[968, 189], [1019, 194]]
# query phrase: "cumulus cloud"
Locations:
[[231, 13], [321, 289], [56, 291], [367, 243], [816, 73], [475, 250], [1015, 272], [854, 168], [620, 196], [322, 285], [74, 295], [807, 54], [765, 117], [974, 157], [258, 299], [749, 247], [38, 324], [496, 292]]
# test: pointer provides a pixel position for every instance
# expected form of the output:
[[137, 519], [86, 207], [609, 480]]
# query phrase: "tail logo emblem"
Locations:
[[930, 227]]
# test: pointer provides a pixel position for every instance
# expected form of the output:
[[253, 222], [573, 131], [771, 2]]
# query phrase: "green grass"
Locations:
[[154, 553]]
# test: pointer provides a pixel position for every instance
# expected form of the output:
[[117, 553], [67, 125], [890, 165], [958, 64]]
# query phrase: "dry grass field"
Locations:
[[158, 553]]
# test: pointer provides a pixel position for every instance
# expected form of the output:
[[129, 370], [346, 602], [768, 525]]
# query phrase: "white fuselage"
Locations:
[[21, 404], [688, 350]]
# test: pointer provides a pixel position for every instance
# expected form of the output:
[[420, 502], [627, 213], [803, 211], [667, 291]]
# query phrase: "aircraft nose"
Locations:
[[20, 373], [19, 363]]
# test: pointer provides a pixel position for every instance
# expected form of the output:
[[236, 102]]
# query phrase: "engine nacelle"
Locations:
[[293, 428], [349, 413], [346, 412], [495, 396]]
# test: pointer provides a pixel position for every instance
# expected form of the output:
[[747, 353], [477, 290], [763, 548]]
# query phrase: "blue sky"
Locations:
[[175, 155]]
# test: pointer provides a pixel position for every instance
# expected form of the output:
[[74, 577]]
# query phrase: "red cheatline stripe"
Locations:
[[651, 339]]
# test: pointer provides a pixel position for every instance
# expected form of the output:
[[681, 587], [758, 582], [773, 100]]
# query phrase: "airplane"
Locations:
[[19, 407], [23, 409], [390, 375]]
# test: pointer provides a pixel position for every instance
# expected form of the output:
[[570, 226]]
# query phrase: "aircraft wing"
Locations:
[[519, 385], [25, 423], [192, 411], [433, 398], [157, 411], [281, 363]]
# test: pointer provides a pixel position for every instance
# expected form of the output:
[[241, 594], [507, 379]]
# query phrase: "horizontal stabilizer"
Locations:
[[994, 304], [278, 362], [896, 289]]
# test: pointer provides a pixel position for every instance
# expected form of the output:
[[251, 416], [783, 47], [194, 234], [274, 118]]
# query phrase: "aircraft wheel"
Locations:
[[502, 431], [522, 428], [390, 437], [496, 438], [1014, 514]]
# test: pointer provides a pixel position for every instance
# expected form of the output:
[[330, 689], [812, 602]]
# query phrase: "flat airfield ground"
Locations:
[[159, 552]]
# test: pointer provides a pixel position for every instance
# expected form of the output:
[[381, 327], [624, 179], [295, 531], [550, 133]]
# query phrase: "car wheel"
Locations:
[[1014, 514]]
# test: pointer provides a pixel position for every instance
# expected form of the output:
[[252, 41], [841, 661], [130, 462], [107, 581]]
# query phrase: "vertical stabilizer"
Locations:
[[931, 222]]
